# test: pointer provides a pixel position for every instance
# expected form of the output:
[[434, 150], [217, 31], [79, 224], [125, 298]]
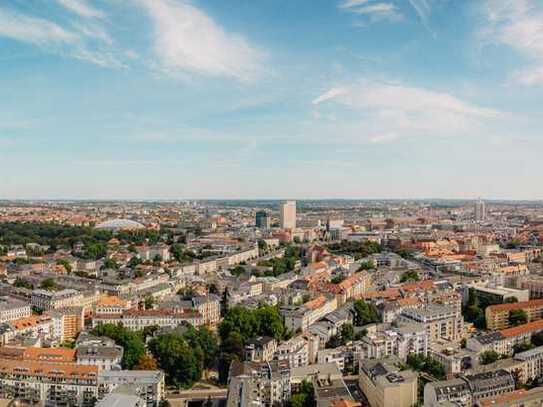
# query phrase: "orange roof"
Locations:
[[318, 265], [504, 398], [390, 293], [31, 368], [418, 285], [408, 301], [50, 354], [523, 329], [30, 321], [345, 403], [316, 303], [110, 300], [516, 305]]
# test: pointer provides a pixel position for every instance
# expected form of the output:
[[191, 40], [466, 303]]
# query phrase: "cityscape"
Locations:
[[273, 203]]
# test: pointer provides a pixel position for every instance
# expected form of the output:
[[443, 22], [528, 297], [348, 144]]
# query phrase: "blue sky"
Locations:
[[179, 99]]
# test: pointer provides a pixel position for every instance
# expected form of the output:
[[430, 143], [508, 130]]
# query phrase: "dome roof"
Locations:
[[120, 224]]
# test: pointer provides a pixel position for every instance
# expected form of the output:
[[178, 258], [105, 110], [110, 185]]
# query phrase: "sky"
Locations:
[[178, 99]]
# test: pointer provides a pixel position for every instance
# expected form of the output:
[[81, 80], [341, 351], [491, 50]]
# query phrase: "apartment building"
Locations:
[[352, 287], [33, 326], [396, 341], [136, 320], [497, 316], [468, 390], [259, 383], [98, 351], [110, 304], [12, 308], [295, 350], [68, 322], [146, 384], [532, 363], [260, 349], [517, 398], [439, 321], [385, 385], [453, 392], [302, 317], [52, 383], [47, 300]]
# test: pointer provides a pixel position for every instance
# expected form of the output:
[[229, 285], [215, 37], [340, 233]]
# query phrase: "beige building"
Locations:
[[287, 215], [385, 385], [440, 321], [497, 316]]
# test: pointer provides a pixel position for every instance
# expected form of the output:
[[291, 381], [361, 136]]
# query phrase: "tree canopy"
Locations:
[[365, 313], [132, 342]]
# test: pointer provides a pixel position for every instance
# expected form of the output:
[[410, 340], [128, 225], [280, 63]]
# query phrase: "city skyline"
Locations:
[[362, 99]]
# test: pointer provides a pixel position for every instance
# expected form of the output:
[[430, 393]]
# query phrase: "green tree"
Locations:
[[66, 264], [365, 313], [304, 397], [366, 265], [48, 284], [537, 339], [270, 321], [517, 317], [149, 302], [110, 264], [409, 275], [177, 359], [242, 320], [132, 342], [347, 333], [489, 357], [522, 347], [22, 283]]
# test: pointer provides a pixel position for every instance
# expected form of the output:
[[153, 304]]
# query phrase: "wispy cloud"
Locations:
[[81, 8], [33, 30], [80, 39], [188, 40], [385, 112], [519, 25], [374, 11]]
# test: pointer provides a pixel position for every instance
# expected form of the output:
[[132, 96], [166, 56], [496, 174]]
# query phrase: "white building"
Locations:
[[287, 215]]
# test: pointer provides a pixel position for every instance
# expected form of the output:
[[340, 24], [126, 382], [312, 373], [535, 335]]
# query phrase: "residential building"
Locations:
[[439, 321], [47, 300], [52, 383], [262, 220], [260, 349], [396, 341], [295, 350], [497, 316], [385, 385], [136, 320], [146, 384], [287, 215], [259, 383], [300, 318], [69, 321], [12, 308], [480, 211], [517, 398], [453, 392]]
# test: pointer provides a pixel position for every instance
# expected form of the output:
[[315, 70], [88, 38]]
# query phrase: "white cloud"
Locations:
[[188, 40], [422, 8], [374, 11], [81, 40], [81, 8], [519, 25], [385, 112], [353, 3], [33, 30], [400, 97]]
